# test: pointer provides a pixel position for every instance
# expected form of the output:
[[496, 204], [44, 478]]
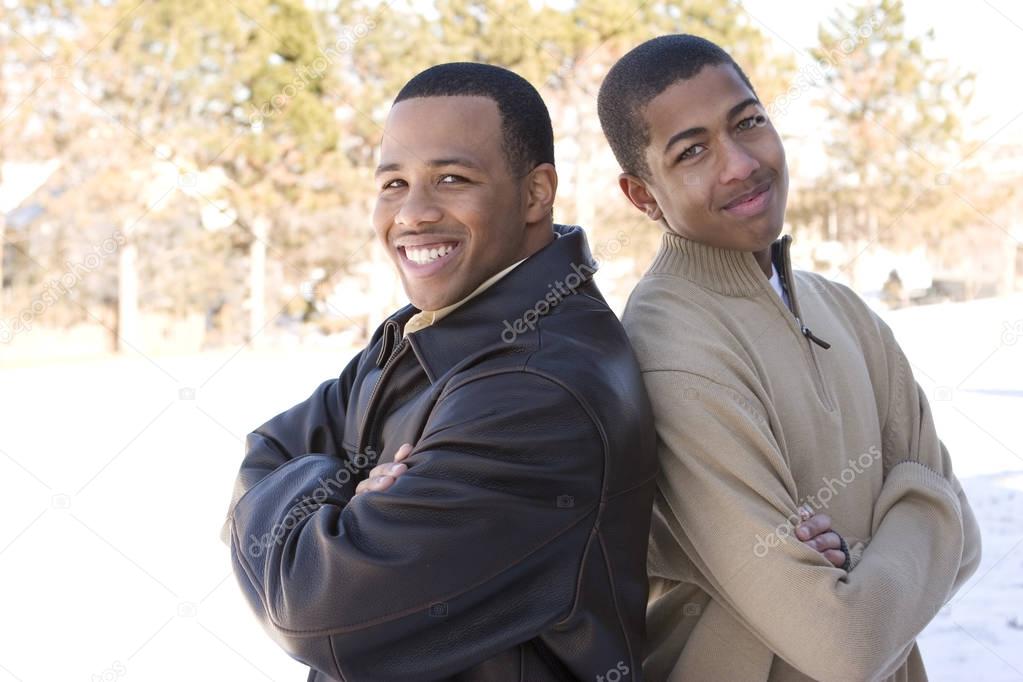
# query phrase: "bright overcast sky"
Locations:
[[984, 39]]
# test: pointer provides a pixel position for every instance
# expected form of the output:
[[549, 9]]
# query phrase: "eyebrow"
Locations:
[[436, 163], [693, 132]]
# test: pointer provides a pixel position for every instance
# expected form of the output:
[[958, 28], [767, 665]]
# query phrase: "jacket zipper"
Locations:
[[366, 418], [811, 338]]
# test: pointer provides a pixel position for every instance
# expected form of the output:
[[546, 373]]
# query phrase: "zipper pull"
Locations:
[[810, 335]]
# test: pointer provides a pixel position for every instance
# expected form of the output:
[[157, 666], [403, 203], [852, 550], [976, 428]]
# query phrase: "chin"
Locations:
[[424, 302], [433, 300], [769, 234]]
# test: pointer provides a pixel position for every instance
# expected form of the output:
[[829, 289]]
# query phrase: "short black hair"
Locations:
[[525, 121], [641, 75]]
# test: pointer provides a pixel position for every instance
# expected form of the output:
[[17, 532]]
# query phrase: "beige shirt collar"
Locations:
[[425, 318]]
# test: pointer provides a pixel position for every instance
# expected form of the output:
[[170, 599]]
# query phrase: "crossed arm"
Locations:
[[924, 543], [479, 497]]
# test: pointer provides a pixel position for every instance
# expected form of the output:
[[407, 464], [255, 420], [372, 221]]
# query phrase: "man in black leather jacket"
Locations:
[[511, 543]]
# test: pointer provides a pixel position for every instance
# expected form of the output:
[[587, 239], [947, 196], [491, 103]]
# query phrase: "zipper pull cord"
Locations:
[[802, 327], [810, 335]]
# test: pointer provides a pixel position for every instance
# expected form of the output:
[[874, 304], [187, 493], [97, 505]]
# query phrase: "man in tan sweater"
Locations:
[[772, 389]]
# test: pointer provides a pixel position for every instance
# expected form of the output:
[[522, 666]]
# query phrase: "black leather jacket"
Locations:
[[514, 547]]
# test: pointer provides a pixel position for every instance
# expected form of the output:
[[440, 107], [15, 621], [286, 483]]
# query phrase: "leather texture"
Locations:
[[514, 547]]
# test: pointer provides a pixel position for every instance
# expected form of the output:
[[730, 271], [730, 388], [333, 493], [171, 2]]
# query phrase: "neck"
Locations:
[[540, 235], [764, 261]]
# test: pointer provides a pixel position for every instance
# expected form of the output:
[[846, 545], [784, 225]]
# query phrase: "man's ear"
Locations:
[[541, 187], [636, 191]]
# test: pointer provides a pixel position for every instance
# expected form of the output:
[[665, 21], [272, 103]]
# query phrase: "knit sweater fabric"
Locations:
[[755, 418]]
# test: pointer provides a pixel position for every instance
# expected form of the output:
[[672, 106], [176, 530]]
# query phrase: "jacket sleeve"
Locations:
[[731, 498], [910, 436], [475, 549], [316, 425]]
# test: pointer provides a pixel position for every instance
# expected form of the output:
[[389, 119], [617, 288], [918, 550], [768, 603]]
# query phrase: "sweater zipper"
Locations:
[[811, 338], [810, 335]]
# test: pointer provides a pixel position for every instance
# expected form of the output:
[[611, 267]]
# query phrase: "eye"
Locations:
[[393, 184], [689, 152], [758, 121], [452, 179]]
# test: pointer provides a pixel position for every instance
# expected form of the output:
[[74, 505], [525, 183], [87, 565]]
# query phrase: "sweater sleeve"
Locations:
[[910, 437], [728, 486]]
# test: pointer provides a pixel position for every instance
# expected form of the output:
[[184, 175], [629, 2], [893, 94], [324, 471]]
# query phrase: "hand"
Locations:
[[815, 532], [383, 476]]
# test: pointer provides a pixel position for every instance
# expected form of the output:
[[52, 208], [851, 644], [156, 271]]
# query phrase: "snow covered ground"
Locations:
[[969, 358], [115, 474]]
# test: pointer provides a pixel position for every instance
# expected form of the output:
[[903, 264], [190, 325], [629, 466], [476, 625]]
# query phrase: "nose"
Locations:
[[739, 164], [418, 207]]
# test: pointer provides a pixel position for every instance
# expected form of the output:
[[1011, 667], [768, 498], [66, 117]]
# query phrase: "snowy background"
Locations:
[[115, 474]]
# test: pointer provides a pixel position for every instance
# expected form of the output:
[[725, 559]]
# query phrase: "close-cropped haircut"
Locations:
[[528, 138], [641, 75]]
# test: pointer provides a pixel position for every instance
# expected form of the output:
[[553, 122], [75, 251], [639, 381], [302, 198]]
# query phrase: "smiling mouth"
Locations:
[[751, 203], [427, 258]]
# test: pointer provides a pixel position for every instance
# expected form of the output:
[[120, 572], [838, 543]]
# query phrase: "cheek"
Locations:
[[480, 215], [689, 189], [774, 152], [383, 217], [692, 199]]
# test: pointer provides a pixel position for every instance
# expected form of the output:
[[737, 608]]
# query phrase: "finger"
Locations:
[[380, 483], [388, 470], [836, 557], [812, 527], [404, 451], [378, 470], [826, 541], [374, 484]]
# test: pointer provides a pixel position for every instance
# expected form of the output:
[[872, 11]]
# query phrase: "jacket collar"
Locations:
[[727, 272], [551, 274]]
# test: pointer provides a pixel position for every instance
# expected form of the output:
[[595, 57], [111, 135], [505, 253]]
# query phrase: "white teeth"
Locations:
[[424, 256]]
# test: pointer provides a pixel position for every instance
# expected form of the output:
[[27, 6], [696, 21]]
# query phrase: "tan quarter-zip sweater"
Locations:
[[755, 417]]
